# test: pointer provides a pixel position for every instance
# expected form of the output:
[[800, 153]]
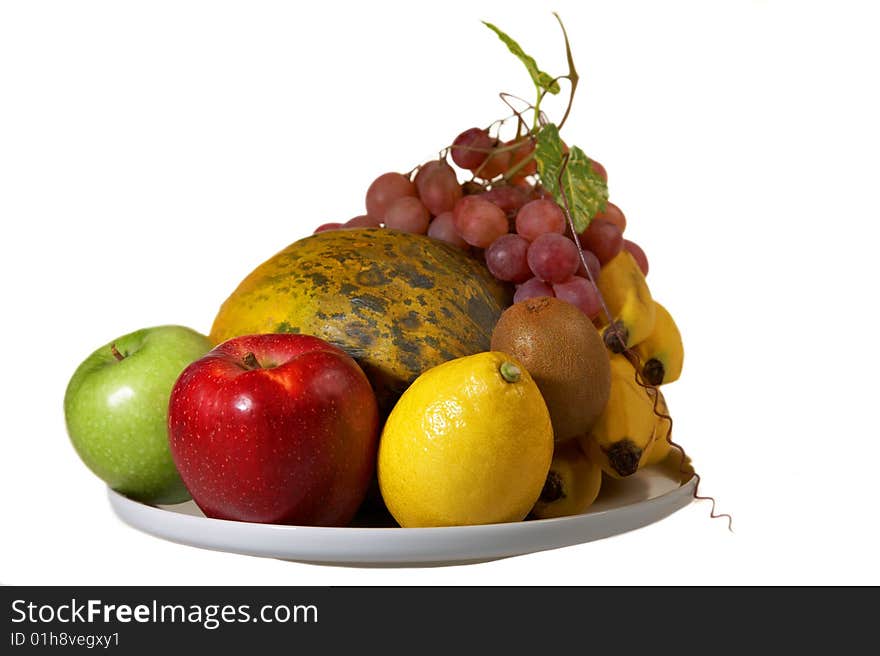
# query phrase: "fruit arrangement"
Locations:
[[479, 346]]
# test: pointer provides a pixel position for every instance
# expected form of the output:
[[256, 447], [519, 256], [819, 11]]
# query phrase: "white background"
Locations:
[[151, 154]]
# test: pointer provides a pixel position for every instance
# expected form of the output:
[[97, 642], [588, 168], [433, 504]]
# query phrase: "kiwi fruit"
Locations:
[[562, 350]]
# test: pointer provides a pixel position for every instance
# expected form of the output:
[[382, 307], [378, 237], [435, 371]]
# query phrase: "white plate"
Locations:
[[646, 497]]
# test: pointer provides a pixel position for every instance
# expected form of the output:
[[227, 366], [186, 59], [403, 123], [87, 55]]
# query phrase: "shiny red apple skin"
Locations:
[[289, 438]]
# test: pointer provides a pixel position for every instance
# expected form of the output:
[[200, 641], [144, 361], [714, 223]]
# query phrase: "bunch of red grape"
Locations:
[[522, 233]]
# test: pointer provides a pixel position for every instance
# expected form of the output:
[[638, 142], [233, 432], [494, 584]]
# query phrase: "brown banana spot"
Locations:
[[654, 371], [552, 488], [611, 338], [624, 456]]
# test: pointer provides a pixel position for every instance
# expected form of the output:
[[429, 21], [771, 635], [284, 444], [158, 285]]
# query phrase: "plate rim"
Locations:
[[413, 545]]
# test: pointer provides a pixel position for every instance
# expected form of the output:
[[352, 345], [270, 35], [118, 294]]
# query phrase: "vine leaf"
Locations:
[[585, 191], [541, 79]]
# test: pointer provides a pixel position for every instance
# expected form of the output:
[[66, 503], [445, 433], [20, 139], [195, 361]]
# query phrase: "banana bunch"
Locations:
[[629, 436], [627, 427], [638, 321], [629, 302], [572, 485], [629, 433], [662, 353]]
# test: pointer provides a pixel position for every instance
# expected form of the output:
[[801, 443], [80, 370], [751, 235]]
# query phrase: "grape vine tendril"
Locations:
[[635, 360]]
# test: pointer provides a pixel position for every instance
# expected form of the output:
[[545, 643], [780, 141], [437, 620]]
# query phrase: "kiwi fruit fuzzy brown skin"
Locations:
[[564, 352]]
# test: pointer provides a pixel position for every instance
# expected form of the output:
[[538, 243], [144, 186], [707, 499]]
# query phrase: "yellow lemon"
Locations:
[[469, 442]]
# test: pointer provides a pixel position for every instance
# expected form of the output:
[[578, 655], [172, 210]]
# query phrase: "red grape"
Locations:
[[603, 238], [506, 258], [443, 228], [386, 189], [581, 293], [471, 147], [478, 221], [497, 163], [438, 186], [428, 169], [364, 221], [612, 214], [553, 257], [525, 151], [592, 263], [327, 226], [541, 193], [409, 215], [510, 199], [539, 217], [532, 288], [638, 254], [598, 168], [471, 187], [526, 187]]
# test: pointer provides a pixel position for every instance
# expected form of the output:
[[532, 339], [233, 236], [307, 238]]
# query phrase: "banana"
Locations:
[[629, 302], [572, 485], [660, 446], [626, 428], [662, 353]]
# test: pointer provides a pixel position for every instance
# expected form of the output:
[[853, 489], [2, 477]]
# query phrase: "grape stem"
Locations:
[[512, 171], [572, 76], [521, 123], [634, 359], [538, 100], [566, 209], [539, 119], [495, 151]]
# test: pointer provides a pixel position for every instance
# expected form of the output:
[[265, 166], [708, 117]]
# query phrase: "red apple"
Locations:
[[279, 429]]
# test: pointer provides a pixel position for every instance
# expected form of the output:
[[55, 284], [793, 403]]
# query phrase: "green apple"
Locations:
[[116, 409]]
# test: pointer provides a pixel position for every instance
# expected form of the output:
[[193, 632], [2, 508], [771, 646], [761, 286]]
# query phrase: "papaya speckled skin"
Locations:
[[398, 303]]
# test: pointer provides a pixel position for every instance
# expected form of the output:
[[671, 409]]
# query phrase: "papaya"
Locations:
[[398, 303]]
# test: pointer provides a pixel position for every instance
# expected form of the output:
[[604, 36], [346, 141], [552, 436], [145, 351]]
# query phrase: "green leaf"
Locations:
[[585, 192], [541, 79]]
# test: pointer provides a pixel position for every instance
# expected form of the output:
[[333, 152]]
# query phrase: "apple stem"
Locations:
[[116, 354], [250, 361]]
